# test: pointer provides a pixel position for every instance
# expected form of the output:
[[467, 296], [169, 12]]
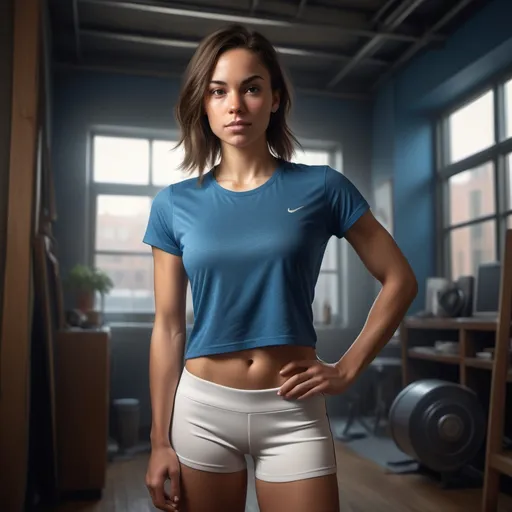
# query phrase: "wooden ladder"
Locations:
[[498, 461]]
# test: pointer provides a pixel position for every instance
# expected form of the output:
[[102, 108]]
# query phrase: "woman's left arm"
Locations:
[[382, 257], [385, 261]]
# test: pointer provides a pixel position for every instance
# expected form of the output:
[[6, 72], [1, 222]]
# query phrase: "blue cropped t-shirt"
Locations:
[[253, 257]]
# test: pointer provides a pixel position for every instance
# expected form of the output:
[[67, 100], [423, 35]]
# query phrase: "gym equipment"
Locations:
[[440, 424]]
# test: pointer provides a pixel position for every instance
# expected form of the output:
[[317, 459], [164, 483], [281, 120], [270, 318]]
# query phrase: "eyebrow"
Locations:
[[247, 80]]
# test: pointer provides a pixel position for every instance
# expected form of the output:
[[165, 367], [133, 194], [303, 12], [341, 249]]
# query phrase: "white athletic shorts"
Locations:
[[214, 426]]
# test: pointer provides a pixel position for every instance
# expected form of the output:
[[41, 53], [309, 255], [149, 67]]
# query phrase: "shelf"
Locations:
[[475, 362], [440, 358], [502, 462], [485, 364], [469, 323]]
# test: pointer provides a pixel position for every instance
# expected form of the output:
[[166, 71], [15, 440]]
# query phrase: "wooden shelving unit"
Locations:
[[471, 362], [487, 377], [471, 335], [497, 461]]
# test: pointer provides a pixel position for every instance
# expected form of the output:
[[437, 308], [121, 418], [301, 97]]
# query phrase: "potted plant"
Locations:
[[86, 281]]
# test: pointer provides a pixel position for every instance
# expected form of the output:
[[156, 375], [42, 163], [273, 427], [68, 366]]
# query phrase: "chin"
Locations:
[[243, 140], [239, 140]]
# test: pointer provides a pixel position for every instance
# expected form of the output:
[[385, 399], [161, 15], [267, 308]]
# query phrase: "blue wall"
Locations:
[[403, 124]]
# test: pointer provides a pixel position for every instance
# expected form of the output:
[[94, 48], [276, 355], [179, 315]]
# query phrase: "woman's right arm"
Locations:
[[165, 367], [167, 341]]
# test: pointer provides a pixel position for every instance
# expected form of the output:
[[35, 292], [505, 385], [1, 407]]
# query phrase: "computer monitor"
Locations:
[[486, 299]]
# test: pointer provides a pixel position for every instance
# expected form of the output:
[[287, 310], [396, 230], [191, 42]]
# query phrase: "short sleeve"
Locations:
[[345, 204], [160, 228]]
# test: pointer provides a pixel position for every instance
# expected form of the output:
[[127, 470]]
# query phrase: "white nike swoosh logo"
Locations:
[[292, 211]]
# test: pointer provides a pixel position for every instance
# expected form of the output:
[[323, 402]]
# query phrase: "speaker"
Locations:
[[467, 285]]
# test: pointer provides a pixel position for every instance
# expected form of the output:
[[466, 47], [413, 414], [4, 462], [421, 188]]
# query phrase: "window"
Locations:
[[471, 128], [508, 109], [475, 157], [127, 173]]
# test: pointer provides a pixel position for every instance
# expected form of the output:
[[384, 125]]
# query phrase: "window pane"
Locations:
[[509, 181], [326, 294], [133, 283], [121, 160], [508, 108], [471, 128], [189, 308], [312, 157], [121, 222], [471, 194], [470, 246], [166, 162], [330, 261]]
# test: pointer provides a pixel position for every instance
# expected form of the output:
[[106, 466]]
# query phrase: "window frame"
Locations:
[[95, 189], [496, 154]]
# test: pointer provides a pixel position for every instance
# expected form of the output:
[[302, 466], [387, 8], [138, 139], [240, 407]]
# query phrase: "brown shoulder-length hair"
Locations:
[[201, 146]]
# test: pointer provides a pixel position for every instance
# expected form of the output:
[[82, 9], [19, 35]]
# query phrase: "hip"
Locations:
[[256, 368]]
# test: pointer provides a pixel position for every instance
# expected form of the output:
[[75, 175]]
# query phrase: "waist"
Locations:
[[256, 368]]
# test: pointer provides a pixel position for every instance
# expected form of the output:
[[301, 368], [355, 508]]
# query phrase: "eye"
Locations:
[[253, 89], [216, 92]]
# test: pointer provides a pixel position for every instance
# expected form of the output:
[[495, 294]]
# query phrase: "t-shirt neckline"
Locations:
[[240, 193]]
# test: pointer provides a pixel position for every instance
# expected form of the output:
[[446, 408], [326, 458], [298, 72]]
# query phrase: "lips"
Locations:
[[238, 123]]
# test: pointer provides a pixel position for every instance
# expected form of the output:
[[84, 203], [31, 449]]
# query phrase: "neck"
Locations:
[[245, 164]]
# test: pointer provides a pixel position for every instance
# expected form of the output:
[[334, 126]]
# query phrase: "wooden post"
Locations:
[[17, 300]]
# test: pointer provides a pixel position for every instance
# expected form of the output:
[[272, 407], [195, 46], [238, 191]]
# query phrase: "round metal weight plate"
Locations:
[[439, 423]]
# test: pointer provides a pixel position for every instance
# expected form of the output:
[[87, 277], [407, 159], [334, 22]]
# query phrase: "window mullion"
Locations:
[[499, 123], [150, 163]]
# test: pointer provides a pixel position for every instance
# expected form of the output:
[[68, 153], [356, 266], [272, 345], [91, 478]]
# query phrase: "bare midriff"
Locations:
[[256, 368]]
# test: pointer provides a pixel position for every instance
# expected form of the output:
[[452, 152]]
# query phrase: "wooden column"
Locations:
[[17, 300]]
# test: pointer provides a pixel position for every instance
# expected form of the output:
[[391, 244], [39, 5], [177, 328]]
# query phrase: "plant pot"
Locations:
[[94, 318], [85, 301]]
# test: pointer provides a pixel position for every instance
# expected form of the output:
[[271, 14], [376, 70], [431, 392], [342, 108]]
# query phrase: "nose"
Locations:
[[236, 103]]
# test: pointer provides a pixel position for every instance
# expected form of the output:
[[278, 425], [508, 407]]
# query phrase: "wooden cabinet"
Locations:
[[82, 408]]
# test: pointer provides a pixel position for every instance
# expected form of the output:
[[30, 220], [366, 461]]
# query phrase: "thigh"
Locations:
[[203, 491], [293, 444], [319, 494], [206, 438]]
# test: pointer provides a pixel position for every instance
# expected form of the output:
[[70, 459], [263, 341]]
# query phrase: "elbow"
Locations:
[[410, 286], [404, 285]]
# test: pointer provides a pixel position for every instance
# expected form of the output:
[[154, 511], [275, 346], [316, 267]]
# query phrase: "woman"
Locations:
[[250, 235]]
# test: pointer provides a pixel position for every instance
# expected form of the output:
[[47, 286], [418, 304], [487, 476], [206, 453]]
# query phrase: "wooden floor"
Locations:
[[364, 487]]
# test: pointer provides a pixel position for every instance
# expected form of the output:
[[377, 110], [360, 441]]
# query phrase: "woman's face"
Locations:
[[239, 98]]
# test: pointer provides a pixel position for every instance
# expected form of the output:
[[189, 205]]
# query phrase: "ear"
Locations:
[[276, 99]]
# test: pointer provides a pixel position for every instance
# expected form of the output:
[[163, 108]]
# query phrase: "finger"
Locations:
[[159, 498], [318, 390], [170, 501], [174, 494], [294, 381], [294, 365], [302, 388]]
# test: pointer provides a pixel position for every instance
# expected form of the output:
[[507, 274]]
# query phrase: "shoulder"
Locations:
[[168, 195], [188, 189], [324, 176], [304, 169], [163, 197], [186, 184], [310, 176]]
